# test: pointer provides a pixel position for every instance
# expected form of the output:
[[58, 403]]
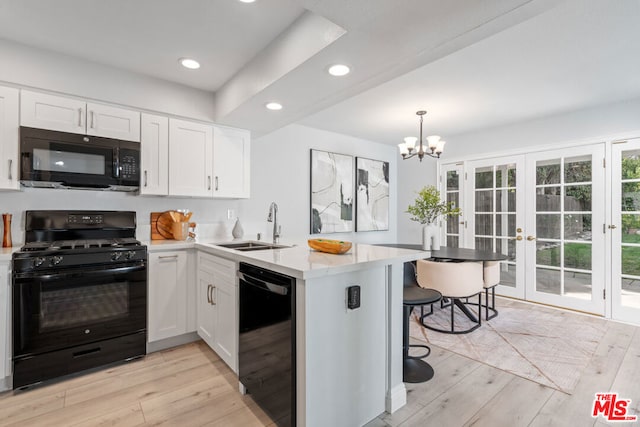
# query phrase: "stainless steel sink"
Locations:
[[250, 246]]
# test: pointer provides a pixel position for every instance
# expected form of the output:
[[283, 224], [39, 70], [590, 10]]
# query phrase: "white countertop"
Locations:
[[300, 261], [5, 253]]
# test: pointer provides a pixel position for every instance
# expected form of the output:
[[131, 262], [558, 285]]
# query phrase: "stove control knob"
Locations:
[[116, 256], [55, 260], [130, 254], [37, 262]]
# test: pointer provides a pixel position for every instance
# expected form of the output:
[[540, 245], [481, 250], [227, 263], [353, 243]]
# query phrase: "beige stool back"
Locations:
[[451, 279], [491, 273]]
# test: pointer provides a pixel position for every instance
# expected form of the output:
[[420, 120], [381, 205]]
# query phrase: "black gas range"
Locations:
[[79, 293]]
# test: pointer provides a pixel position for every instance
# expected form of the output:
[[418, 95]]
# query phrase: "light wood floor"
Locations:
[[191, 386]]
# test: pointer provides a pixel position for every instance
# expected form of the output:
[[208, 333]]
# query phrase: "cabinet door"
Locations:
[[154, 144], [206, 310], [231, 162], [225, 343], [167, 295], [9, 179], [113, 122], [5, 324], [40, 110], [190, 159]]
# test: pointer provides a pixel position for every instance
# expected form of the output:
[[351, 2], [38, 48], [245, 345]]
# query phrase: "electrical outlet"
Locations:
[[231, 213]]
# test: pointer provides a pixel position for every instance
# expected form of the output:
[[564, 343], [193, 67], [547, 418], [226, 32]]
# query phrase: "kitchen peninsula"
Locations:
[[348, 361]]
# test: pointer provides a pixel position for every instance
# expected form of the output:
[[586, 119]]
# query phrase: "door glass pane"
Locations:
[[577, 226], [577, 169], [548, 281], [453, 180], [484, 244], [548, 172], [548, 199], [630, 228], [630, 293], [484, 224], [453, 198], [548, 226], [577, 255], [631, 164], [508, 274], [577, 198], [506, 247], [484, 201], [453, 241], [484, 177], [506, 176], [506, 225], [631, 196], [577, 284], [548, 253], [506, 200], [631, 261]]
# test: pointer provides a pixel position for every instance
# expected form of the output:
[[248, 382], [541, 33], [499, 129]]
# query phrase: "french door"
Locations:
[[565, 234], [496, 216], [453, 228], [625, 228], [545, 211]]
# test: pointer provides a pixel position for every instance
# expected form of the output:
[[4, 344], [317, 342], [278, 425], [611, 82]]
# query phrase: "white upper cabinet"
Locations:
[[190, 159], [154, 144], [231, 162], [113, 122], [44, 111], [9, 147]]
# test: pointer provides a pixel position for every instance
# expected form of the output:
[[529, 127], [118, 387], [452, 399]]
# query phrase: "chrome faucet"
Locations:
[[273, 217]]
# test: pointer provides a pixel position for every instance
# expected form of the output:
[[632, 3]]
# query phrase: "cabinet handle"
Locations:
[[93, 120], [213, 289], [145, 178], [168, 257], [79, 117], [209, 294], [10, 164], [209, 182]]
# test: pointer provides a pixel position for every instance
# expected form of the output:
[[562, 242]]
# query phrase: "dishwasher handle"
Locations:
[[259, 283]]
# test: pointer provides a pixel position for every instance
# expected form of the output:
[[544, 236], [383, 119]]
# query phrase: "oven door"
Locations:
[[50, 157], [65, 308]]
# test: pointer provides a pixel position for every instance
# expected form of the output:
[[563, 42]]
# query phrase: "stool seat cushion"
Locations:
[[415, 295]]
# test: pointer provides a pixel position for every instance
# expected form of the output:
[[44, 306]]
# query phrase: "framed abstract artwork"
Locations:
[[331, 192], [372, 195]]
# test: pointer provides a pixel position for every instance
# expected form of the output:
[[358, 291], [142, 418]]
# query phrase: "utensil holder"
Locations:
[[6, 238]]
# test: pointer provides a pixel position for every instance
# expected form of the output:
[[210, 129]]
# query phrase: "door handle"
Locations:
[[213, 289], [79, 117], [519, 238], [209, 182], [145, 178], [611, 227], [531, 238], [216, 184], [92, 120], [209, 294], [10, 164]]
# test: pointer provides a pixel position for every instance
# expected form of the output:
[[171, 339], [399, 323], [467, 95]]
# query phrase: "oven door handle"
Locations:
[[57, 276], [271, 287]]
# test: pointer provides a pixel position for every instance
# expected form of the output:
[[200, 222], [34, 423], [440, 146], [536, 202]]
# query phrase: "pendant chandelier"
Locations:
[[435, 145]]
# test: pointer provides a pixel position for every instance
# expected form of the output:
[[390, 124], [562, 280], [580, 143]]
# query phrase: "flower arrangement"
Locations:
[[428, 208]]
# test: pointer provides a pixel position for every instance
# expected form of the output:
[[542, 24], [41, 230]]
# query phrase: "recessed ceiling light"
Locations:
[[339, 70], [274, 106], [189, 63], [247, 1]]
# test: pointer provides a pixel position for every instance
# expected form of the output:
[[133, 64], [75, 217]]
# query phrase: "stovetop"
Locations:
[[80, 244]]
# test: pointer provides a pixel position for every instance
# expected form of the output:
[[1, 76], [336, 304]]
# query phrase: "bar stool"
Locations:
[[415, 370]]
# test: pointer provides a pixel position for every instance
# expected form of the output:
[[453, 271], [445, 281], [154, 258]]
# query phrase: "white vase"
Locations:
[[430, 237], [237, 231]]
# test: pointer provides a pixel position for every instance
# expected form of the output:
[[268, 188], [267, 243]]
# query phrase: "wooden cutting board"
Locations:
[[161, 224]]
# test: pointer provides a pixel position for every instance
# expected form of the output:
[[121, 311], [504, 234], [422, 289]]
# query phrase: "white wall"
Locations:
[[605, 122], [280, 168], [26, 66]]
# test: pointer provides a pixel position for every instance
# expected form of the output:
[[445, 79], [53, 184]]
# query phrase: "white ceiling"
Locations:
[[470, 64]]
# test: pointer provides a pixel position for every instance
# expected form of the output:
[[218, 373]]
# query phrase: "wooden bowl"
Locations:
[[329, 246]]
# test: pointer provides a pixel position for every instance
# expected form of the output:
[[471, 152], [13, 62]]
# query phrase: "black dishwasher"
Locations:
[[267, 347]]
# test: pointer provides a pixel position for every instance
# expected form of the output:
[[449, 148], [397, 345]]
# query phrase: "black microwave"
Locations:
[[54, 159]]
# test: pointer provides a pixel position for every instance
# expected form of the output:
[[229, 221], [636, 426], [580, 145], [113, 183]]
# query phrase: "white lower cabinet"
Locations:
[[168, 296], [5, 321], [217, 306]]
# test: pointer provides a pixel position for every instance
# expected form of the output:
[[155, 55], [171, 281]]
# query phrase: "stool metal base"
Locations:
[[416, 371]]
